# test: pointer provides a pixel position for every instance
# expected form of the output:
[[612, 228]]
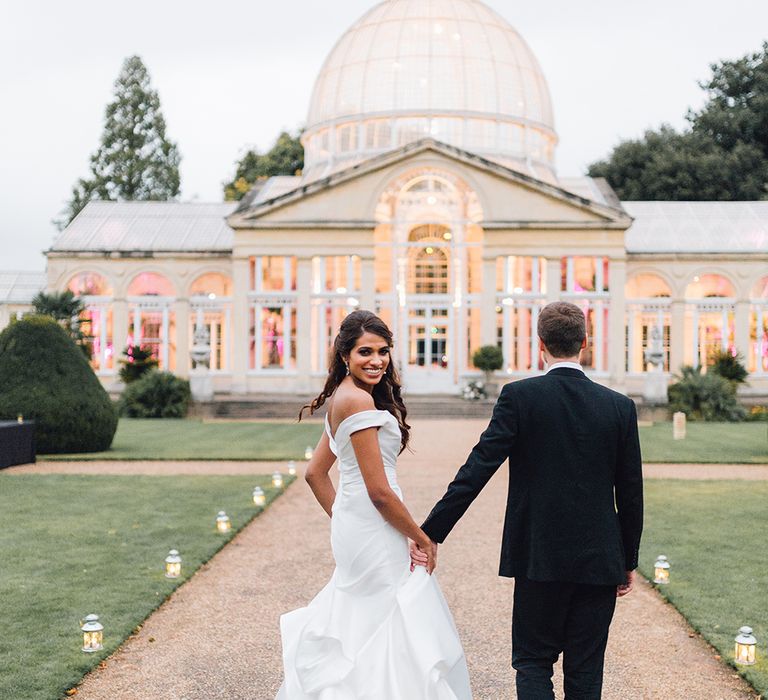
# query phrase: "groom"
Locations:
[[574, 509]]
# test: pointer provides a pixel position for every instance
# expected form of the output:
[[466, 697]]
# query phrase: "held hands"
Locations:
[[627, 587], [424, 554]]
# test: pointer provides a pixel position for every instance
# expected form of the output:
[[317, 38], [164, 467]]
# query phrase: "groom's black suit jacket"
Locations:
[[575, 501]]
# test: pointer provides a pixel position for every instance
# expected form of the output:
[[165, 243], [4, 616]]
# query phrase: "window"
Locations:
[[273, 274], [273, 337]]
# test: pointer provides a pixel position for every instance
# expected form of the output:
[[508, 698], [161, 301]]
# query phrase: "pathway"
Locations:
[[218, 636]]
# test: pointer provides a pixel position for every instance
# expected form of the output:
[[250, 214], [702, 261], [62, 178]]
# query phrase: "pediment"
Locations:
[[509, 199]]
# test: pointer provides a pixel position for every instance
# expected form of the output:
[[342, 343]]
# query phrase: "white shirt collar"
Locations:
[[568, 365]]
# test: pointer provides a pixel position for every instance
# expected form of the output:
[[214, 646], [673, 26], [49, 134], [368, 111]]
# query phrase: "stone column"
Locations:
[[741, 329], [304, 324], [368, 284], [676, 335], [181, 314], [240, 321], [488, 303], [119, 330], [553, 279], [617, 280]]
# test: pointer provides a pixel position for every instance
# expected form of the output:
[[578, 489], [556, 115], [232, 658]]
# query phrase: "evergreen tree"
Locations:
[[135, 160], [723, 155], [286, 157], [67, 310]]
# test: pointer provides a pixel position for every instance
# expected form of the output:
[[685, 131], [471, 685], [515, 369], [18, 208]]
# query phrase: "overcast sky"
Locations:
[[233, 75]]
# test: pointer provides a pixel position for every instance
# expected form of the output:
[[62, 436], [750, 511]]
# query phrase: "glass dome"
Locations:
[[450, 69]]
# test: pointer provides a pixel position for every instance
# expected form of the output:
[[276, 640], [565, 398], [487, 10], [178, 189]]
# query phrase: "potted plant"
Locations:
[[489, 359]]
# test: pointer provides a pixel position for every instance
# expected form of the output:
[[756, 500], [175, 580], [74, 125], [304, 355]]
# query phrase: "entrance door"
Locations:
[[428, 352]]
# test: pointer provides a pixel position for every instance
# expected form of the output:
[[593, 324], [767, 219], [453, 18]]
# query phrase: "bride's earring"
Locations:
[[346, 364]]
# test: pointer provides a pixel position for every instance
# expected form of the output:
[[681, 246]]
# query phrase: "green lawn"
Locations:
[[74, 545], [714, 534], [742, 443], [192, 439]]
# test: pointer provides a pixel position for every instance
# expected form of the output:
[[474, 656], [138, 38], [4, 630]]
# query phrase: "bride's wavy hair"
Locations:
[[387, 393]]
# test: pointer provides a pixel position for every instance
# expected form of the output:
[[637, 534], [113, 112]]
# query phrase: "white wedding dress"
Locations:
[[376, 631]]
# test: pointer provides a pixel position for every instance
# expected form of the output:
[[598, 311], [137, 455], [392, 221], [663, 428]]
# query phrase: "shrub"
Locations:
[[707, 397], [138, 362], [45, 377], [156, 395], [729, 366], [488, 358]]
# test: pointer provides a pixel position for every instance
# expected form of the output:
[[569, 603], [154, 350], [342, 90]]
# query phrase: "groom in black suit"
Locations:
[[574, 509]]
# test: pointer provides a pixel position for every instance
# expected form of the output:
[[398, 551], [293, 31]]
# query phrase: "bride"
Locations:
[[380, 629]]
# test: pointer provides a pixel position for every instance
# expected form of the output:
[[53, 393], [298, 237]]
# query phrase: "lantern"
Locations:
[[277, 480], [173, 565], [92, 634], [222, 522], [678, 426], [745, 647], [259, 499], [661, 570], [19, 418], [308, 453], [292, 468]]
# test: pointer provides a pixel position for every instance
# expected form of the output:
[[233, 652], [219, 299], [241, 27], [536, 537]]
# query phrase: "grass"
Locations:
[[719, 443], [173, 439], [714, 533], [74, 545]]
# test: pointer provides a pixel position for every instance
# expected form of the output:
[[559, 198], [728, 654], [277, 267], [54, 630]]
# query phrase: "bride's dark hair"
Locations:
[[386, 394]]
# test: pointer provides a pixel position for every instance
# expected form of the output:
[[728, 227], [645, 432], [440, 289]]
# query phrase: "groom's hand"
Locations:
[[627, 587]]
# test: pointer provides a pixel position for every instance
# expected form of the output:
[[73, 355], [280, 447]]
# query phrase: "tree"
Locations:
[[66, 309], [286, 157], [723, 155], [138, 362], [45, 378], [135, 160]]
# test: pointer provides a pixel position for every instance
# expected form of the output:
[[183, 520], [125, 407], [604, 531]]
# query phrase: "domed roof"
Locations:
[[455, 59]]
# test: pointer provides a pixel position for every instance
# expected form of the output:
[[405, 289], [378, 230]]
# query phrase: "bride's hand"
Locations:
[[424, 554]]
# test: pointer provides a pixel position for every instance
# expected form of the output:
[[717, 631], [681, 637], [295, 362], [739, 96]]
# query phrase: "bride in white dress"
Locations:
[[380, 629]]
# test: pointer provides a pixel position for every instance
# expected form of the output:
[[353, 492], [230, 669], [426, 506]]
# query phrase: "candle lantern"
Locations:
[[745, 647], [19, 418], [678, 426], [92, 634], [259, 498], [292, 468], [277, 480], [661, 570], [222, 522], [173, 565], [308, 453]]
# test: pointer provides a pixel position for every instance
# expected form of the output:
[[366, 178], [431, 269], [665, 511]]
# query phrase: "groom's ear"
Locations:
[[584, 343]]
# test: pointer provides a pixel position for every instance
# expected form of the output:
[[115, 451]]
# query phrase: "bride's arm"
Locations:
[[366, 446], [317, 474]]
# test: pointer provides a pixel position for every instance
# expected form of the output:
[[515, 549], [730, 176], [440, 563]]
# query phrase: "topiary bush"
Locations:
[[156, 395], [707, 397], [45, 377], [488, 358]]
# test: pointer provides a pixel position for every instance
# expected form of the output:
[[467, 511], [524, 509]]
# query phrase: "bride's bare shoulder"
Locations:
[[348, 399]]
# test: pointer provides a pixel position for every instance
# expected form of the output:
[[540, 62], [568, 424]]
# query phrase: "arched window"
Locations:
[[429, 269], [709, 318], [96, 319], [89, 284], [758, 328], [709, 286], [150, 284], [212, 285], [647, 286]]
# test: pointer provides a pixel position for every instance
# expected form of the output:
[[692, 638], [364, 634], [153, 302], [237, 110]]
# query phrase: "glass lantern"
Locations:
[[745, 647], [19, 418], [173, 565], [222, 522], [93, 632], [661, 570], [259, 498], [277, 480], [308, 453], [292, 468]]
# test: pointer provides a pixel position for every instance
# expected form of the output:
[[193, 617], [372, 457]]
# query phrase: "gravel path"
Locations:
[[218, 635]]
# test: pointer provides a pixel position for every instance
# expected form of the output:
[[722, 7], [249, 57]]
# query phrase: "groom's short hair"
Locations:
[[562, 328]]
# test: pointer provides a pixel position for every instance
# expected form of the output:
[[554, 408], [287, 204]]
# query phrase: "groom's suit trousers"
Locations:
[[550, 618]]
